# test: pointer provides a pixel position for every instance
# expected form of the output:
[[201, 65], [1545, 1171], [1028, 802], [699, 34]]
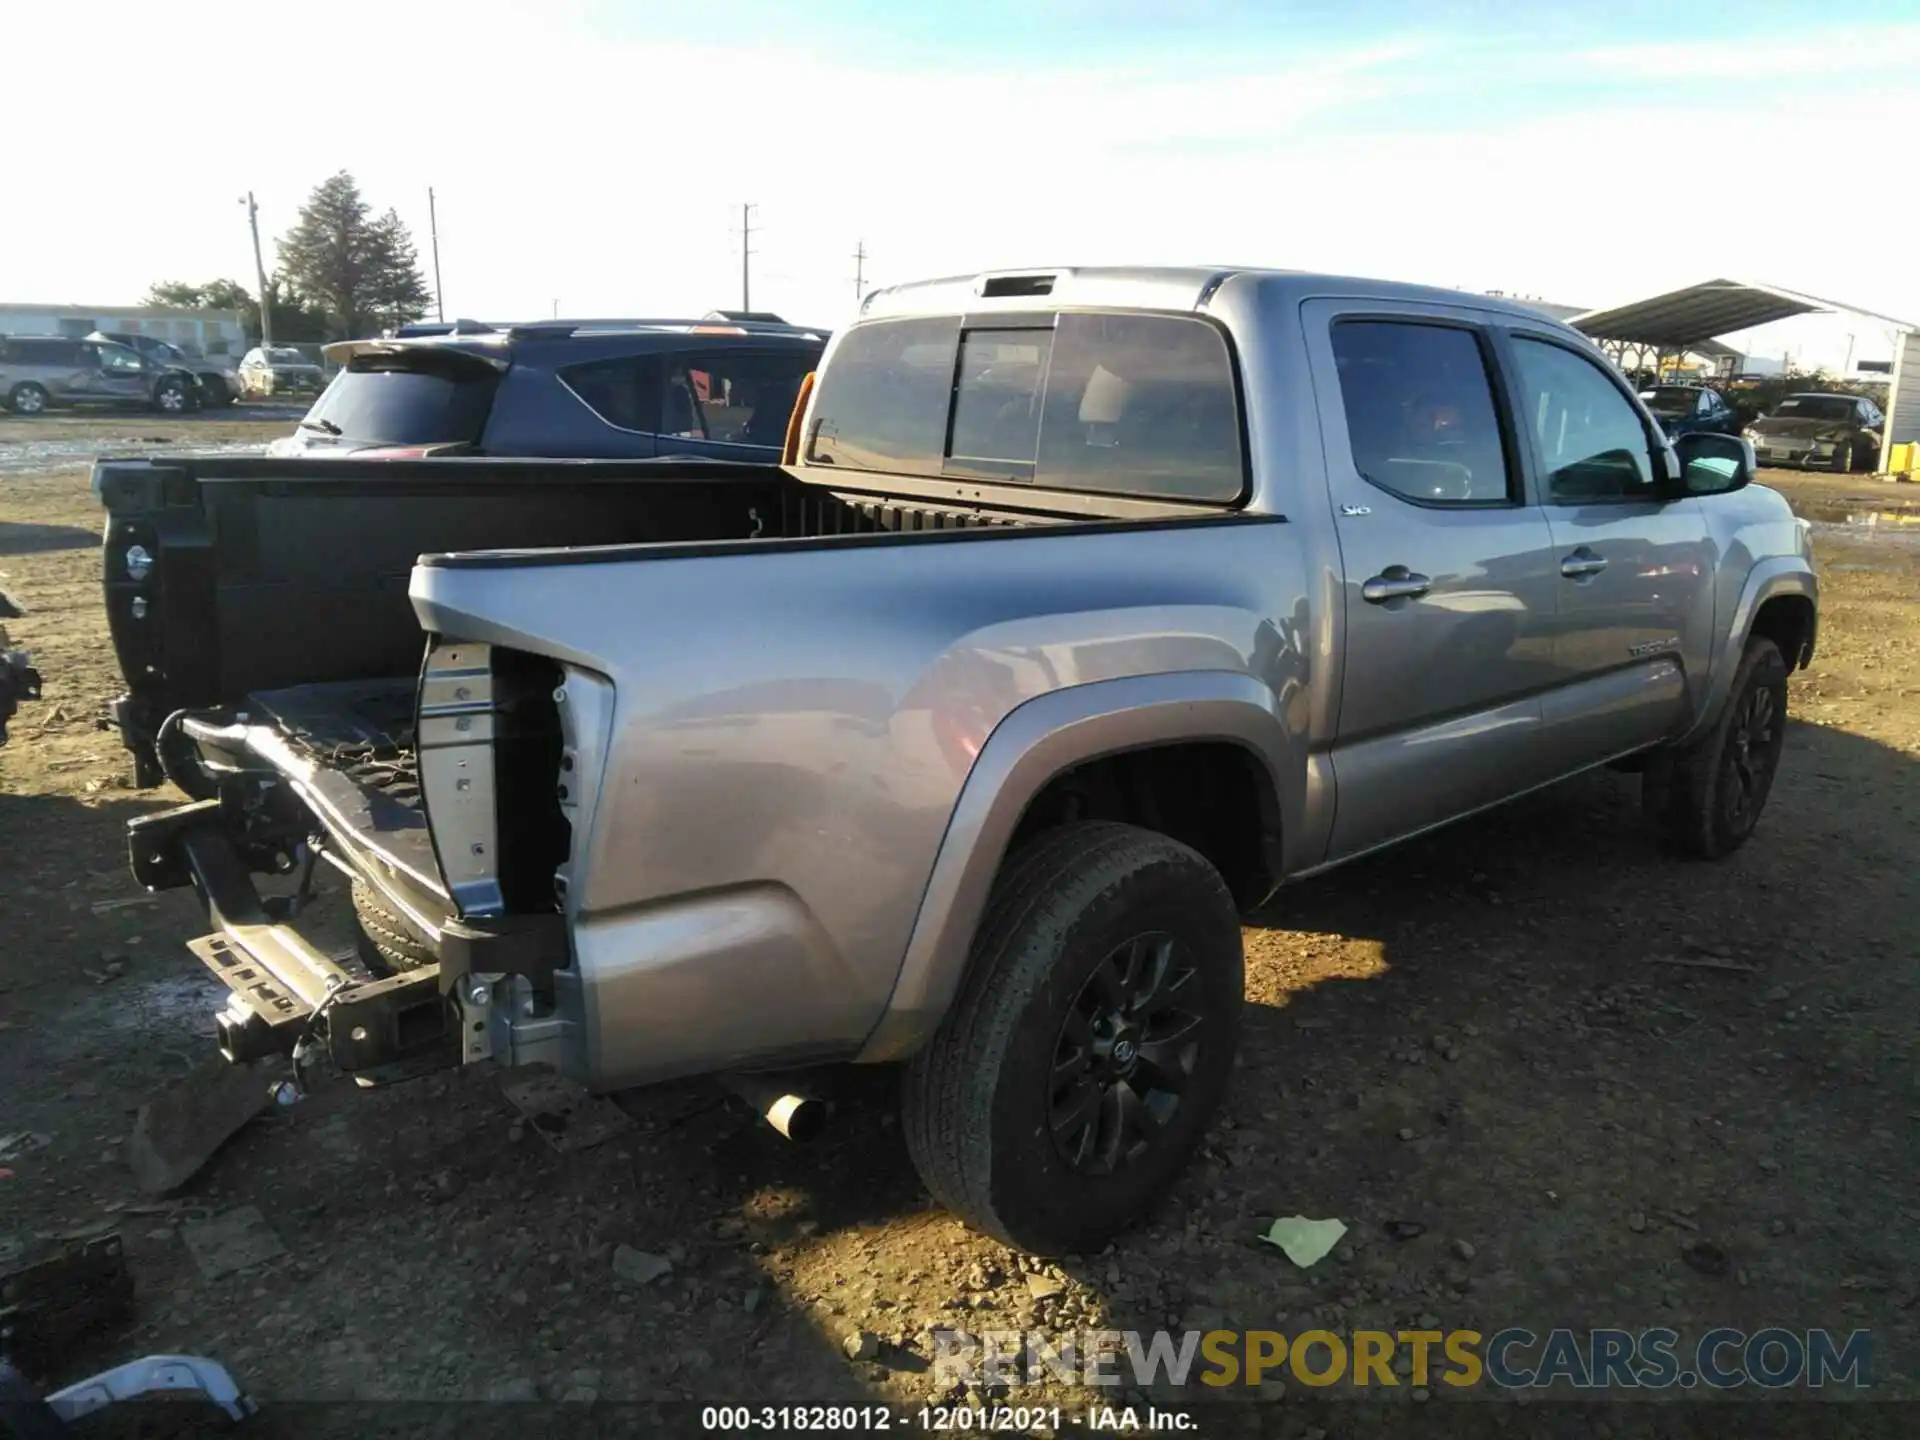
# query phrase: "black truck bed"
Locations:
[[233, 578]]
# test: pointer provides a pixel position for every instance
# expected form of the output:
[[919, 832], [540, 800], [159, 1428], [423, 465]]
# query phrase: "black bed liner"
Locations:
[[358, 734]]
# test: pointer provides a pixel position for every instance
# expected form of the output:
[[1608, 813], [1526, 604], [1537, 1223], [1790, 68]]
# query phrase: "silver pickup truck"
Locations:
[[1088, 608]]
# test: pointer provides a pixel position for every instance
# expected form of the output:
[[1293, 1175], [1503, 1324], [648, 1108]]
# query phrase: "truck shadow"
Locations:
[[34, 539]]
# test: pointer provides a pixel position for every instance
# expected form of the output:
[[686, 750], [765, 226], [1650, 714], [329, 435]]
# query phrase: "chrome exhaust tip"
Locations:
[[782, 1104]]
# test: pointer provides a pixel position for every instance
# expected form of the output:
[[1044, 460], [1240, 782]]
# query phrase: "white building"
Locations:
[[198, 332]]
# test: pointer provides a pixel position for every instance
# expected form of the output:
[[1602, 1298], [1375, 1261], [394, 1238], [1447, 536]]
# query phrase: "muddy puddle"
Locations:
[[22, 456]]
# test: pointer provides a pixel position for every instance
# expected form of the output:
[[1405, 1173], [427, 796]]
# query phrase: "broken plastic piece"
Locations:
[[1305, 1242], [153, 1375]]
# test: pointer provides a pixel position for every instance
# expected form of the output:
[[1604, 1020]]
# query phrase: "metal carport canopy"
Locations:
[[1683, 318]]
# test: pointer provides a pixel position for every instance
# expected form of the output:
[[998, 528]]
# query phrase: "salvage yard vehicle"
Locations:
[[44, 372], [1839, 432], [267, 371], [1086, 608], [216, 379], [1691, 409], [568, 389], [18, 679]]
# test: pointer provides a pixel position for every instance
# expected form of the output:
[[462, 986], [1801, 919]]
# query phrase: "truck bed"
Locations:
[[232, 580]]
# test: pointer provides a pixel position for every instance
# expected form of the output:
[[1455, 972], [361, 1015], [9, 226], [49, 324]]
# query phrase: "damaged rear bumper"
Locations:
[[282, 988], [495, 988]]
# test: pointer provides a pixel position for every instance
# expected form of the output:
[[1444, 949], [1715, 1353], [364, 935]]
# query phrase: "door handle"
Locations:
[[1396, 582], [1582, 564]]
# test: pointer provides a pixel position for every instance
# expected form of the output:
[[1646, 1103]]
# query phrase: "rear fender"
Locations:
[[1036, 742]]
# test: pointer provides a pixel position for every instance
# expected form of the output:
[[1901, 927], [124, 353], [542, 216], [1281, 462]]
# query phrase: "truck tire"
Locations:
[[1705, 800], [387, 942], [1090, 1043]]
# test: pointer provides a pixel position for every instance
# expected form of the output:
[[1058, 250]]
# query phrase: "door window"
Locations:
[[733, 398], [1420, 412], [1589, 439], [116, 359], [624, 392]]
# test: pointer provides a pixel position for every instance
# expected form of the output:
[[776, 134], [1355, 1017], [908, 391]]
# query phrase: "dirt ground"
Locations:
[[1562, 1066]]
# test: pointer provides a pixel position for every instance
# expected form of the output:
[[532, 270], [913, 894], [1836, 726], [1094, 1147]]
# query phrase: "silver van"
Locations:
[[42, 372]]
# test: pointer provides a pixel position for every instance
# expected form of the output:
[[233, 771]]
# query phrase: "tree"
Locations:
[[292, 320], [398, 291], [361, 272]]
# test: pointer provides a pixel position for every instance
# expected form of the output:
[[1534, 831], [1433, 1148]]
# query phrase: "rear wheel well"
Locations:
[[1214, 796], [1787, 620]]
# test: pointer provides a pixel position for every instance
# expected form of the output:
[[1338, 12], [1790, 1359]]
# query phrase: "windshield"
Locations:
[[1816, 407], [405, 407], [280, 356], [1672, 400]]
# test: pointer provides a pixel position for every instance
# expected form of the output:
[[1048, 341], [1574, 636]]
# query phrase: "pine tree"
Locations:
[[363, 272]]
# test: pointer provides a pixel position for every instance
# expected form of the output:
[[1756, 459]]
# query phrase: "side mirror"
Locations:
[[1712, 464]]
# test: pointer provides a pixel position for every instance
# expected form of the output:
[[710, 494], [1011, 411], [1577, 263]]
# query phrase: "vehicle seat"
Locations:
[[676, 415]]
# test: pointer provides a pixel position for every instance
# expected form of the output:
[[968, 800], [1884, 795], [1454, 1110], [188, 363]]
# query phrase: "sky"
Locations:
[[591, 157]]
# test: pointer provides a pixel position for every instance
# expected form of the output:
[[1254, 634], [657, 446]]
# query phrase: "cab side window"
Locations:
[[1420, 413], [1590, 441]]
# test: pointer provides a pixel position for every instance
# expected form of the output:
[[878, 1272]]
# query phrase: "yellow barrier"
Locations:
[[1903, 459]]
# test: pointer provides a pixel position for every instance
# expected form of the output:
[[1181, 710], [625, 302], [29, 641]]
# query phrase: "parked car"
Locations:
[[601, 389], [1691, 410], [44, 372], [281, 370], [217, 379], [1838, 432], [1085, 609]]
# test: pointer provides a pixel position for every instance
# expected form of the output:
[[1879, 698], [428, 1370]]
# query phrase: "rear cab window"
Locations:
[[1142, 404], [414, 396]]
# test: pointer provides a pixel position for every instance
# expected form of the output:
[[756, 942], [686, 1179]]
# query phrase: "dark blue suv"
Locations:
[[579, 389]]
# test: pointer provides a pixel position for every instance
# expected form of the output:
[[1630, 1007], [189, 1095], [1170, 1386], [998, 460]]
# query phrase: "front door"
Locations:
[[1449, 585], [1634, 570], [118, 374]]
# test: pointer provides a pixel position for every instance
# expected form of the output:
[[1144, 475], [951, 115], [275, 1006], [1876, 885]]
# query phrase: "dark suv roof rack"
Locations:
[[561, 329]]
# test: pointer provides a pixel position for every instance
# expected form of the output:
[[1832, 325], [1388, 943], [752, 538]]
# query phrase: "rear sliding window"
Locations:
[[1116, 404], [438, 406]]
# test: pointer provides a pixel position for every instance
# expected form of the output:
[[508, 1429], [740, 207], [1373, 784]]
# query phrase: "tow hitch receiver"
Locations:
[[281, 988]]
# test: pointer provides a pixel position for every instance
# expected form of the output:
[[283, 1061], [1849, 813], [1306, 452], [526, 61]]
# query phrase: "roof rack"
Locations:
[[562, 329], [420, 329]]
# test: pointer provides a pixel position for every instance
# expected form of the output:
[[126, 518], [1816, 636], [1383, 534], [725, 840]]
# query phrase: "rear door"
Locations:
[[1632, 569], [1449, 577]]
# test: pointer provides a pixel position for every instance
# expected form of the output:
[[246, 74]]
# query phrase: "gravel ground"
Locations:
[[1545, 1075]]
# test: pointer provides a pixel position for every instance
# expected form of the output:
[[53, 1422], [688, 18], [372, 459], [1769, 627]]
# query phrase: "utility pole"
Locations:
[[859, 269], [259, 271], [433, 229], [746, 255]]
